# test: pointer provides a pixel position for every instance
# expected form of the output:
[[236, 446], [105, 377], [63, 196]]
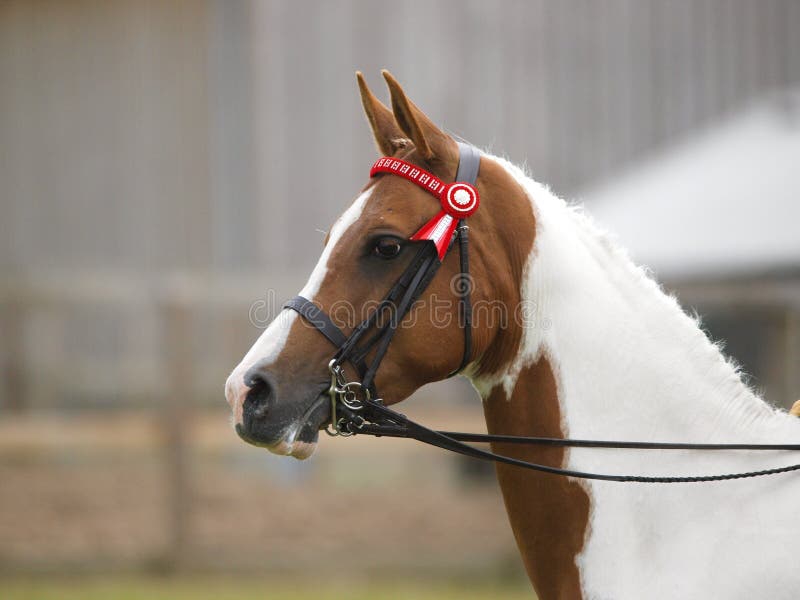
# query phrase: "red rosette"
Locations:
[[460, 199]]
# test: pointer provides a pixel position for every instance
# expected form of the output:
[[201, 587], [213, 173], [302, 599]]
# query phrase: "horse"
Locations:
[[590, 346]]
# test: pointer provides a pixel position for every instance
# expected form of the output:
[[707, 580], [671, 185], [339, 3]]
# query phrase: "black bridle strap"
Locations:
[[465, 295], [469, 163], [577, 443], [378, 420], [398, 301], [417, 285], [317, 317], [349, 350]]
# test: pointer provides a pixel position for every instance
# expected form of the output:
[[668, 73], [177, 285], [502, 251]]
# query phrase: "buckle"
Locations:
[[352, 395]]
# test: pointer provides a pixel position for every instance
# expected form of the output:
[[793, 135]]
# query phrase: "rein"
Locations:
[[355, 405], [371, 418]]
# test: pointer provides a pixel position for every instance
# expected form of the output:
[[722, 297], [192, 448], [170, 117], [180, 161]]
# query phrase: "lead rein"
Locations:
[[372, 417]]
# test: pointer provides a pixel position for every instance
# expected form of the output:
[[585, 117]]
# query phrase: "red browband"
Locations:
[[459, 200]]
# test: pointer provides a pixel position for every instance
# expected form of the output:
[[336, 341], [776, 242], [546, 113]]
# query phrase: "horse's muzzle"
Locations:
[[283, 420]]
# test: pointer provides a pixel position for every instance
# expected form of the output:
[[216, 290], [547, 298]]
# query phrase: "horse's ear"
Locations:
[[388, 136], [429, 140]]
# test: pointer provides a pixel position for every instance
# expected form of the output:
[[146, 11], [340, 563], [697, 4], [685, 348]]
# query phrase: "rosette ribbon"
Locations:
[[458, 200]]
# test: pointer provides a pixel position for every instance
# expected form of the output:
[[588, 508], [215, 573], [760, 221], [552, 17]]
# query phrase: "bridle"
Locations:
[[459, 200], [356, 407]]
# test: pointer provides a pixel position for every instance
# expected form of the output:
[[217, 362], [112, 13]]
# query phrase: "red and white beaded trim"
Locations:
[[427, 181]]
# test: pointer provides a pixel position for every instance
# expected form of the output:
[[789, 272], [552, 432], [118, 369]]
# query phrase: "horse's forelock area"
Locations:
[[630, 364]]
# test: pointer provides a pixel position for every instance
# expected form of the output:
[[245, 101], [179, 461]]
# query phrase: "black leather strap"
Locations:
[[469, 163], [323, 323], [465, 300], [378, 420], [316, 317]]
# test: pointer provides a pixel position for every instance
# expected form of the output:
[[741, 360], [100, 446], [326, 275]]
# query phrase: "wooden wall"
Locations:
[[142, 138], [155, 135], [104, 118], [576, 89]]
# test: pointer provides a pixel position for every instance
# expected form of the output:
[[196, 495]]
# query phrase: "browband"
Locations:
[[459, 199]]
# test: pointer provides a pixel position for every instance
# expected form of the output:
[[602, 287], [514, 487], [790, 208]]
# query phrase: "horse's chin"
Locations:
[[301, 439], [296, 448]]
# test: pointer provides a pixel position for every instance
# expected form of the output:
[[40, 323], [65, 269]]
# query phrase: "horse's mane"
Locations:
[[743, 405]]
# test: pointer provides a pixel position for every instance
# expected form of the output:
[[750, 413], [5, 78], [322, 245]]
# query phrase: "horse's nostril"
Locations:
[[261, 395]]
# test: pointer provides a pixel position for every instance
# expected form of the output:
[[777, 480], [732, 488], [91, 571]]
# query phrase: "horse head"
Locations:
[[278, 393]]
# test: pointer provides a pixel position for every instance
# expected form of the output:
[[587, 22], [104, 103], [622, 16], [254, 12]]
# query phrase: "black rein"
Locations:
[[374, 419]]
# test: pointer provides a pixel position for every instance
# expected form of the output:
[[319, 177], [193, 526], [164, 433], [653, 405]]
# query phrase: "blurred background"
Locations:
[[157, 206]]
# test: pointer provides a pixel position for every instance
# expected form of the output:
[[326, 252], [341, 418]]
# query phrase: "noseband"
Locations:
[[459, 200]]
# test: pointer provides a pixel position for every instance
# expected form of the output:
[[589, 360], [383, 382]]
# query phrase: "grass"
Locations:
[[205, 587]]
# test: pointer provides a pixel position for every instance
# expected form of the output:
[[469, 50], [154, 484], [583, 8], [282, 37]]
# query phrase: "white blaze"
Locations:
[[269, 345]]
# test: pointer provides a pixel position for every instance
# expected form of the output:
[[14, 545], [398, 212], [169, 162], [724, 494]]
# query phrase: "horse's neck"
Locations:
[[628, 361], [609, 356]]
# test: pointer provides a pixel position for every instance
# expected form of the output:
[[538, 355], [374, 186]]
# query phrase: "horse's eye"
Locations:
[[387, 248]]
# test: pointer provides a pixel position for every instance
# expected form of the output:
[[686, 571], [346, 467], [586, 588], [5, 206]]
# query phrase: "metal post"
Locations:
[[176, 323], [12, 335]]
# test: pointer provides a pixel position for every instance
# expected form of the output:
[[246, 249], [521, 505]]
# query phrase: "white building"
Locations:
[[716, 218]]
